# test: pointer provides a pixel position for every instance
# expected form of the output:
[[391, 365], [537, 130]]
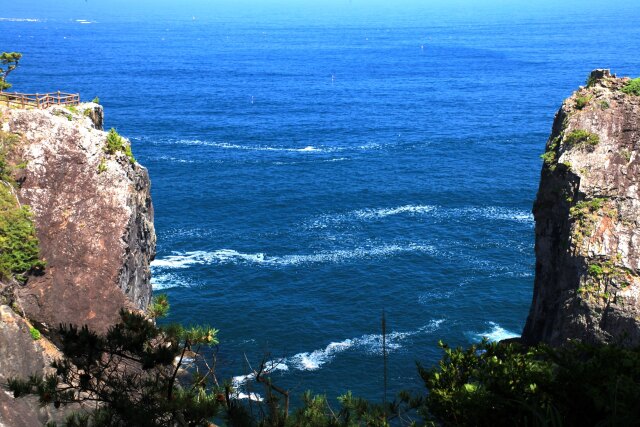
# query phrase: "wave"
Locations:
[[19, 20], [251, 396], [370, 344], [496, 333], [168, 281], [230, 256], [306, 149], [438, 212], [314, 360], [336, 159]]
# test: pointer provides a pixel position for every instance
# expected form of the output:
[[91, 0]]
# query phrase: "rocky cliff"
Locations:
[[93, 216], [587, 214]]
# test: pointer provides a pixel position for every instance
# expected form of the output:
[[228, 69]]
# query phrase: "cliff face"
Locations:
[[93, 217], [587, 214]]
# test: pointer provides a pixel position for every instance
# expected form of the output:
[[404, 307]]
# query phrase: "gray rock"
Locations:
[[587, 283]]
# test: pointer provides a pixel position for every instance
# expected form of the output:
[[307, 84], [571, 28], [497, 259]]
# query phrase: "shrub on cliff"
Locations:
[[582, 138], [116, 143], [19, 246], [633, 87]]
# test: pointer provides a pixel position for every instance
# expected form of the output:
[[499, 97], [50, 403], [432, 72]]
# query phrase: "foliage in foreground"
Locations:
[[493, 384], [131, 372], [135, 374]]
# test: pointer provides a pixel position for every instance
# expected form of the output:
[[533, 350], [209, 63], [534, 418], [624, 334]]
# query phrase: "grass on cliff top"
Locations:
[[19, 248], [633, 87], [116, 143]]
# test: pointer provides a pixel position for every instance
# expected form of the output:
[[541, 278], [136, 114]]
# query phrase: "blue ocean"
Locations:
[[313, 167]]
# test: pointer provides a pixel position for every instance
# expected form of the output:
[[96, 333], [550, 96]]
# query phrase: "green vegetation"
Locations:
[[581, 209], [581, 138], [492, 384], [72, 108], [145, 395], [35, 334], [550, 157], [8, 62], [96, 100], [586, 214], [632, 87], [116, 143], [604, 105], [19, 252], [61, 113], [102, 166], [595, 270], [604, 279], [159, 306], [626, 154], [591, 80], [582, 101]]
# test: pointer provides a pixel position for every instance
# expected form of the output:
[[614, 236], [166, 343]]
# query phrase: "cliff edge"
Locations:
[[93, 216], [587, 214]]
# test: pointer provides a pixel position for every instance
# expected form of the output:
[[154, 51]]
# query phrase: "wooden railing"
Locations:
[[39, 100]]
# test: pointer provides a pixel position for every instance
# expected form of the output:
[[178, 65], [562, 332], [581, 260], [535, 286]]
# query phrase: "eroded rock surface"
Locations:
[[587, 214], [93, 216]]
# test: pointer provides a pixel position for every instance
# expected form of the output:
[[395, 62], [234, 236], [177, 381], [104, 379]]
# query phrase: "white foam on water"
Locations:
[[251, 396], [306, 149], [167, 281], [178, 261], [228, 146], [371, 344], [438, 212], [19, 20], [337, 159], [385, 212], [230, 256], [370, 214], [314, 360], [496, 213], [496, 333]]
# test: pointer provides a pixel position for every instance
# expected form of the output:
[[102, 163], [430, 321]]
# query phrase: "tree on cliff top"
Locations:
[[9, 62]]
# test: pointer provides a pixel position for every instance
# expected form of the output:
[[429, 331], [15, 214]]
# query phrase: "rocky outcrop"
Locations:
[[93, 217], [587, 213]]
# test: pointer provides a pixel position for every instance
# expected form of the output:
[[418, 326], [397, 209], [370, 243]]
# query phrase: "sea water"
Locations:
[[313, 170]]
